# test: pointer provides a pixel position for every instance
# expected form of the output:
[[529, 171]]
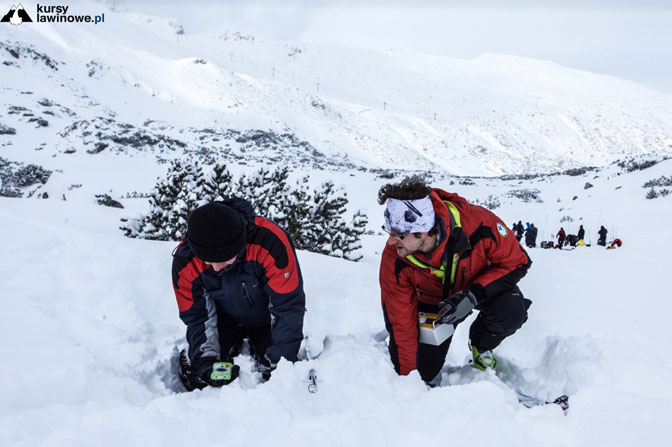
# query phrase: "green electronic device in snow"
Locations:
[[221, 371]]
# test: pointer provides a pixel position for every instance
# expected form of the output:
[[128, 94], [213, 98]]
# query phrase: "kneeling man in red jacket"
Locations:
[[447, 257]]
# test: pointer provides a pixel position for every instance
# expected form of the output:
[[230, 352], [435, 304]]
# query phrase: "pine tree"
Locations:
[[276, 197], [218, 185], [297, 212], [314, 219], [349, 237], [169, 205], [189, 197], [325, 220], [264, 189], [268, 193]]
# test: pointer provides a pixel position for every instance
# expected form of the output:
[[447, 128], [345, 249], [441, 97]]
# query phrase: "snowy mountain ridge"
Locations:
[[491, 115]]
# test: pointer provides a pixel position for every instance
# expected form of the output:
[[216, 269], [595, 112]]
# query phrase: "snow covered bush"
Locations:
[[660, 181], [6, 130], [14, 177], [574, 172], [654, 193], [639, 163], [31, 174], [491, 202], [526, 195], [106, 200], [314, 218]]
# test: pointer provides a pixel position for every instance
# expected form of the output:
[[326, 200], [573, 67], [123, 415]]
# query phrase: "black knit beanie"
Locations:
[[216, 232]]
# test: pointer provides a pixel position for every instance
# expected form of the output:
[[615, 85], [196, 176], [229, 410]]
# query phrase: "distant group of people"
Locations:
[[578, 239], [530, 232]]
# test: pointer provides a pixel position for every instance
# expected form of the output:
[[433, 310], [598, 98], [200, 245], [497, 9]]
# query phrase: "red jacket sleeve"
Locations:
[[508, 261], [401, 307]]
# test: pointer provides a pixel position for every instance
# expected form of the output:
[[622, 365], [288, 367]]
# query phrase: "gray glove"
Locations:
[[457, 307]]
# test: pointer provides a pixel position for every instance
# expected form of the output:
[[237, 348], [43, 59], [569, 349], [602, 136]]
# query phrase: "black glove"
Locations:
[[216, 373], [457, 307], [265, 367]]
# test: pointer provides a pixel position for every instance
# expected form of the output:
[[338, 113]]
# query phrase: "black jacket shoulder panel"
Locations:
[[267, 239], [399, 265], [482, 232]]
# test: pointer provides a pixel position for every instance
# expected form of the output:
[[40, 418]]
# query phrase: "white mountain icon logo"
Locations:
[[16, 16]]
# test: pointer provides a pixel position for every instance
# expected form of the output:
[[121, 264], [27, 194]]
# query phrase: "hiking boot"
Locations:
[[483, 360]]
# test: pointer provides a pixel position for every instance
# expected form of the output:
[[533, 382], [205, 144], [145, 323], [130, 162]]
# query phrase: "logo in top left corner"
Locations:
[[16, 15]]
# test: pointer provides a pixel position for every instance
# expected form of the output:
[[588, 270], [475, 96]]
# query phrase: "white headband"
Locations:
[[409, 216]]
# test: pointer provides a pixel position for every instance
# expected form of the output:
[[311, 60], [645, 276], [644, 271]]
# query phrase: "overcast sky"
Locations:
[[627, 38]]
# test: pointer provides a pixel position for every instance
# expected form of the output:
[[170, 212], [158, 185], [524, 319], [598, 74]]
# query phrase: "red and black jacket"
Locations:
[[491, 261], [263, 287]]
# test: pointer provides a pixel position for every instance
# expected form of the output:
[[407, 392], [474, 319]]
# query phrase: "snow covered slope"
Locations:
[[487, 116], [90, 326]]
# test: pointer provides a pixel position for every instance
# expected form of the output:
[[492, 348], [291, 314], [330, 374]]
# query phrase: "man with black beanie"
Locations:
[[236, 277]]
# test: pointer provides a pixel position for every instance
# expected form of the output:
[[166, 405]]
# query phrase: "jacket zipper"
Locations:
[[246, 294], [453, 286]]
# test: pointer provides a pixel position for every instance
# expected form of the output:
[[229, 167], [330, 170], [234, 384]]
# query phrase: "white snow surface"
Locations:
[[89, 321], [90, 329]]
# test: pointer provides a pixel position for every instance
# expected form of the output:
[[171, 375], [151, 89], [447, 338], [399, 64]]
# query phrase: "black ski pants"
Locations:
[[232, 335], [498, 318]]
